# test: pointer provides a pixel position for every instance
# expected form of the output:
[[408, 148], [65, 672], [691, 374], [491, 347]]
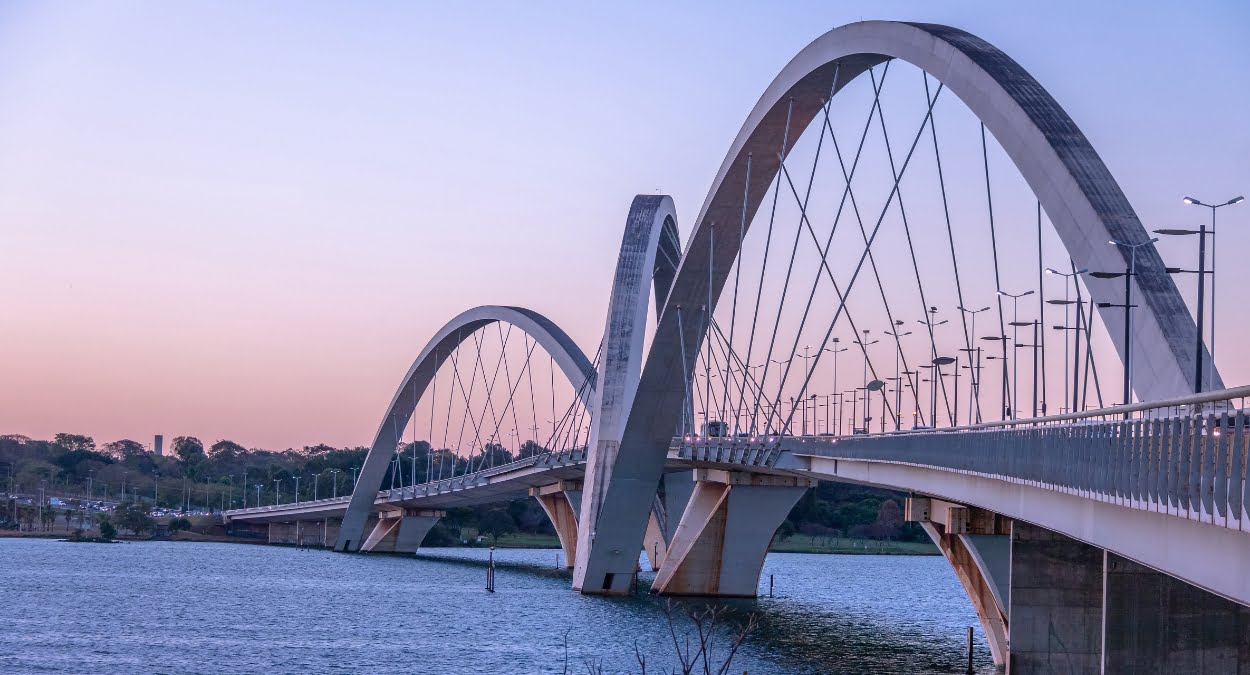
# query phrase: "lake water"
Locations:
[[181, 607]]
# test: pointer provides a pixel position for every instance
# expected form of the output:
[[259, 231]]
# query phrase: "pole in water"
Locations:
[[490, 571], [770, 585], [970, 671]]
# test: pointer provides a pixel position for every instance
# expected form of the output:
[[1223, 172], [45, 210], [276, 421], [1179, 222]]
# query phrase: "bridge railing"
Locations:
[[1187, 456], [559, 457]]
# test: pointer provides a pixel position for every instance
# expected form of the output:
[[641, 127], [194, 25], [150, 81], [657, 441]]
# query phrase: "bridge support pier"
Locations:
[[977, 544], [718, 548], [665, 515], [284, 533], [562, 503], [400, 531], [1056, 603], [1155, 623]]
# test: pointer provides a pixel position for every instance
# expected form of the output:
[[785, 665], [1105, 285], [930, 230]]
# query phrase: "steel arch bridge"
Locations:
[[1116, 492]]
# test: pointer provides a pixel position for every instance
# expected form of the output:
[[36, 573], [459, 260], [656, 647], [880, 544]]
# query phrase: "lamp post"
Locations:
[[835, 351], [1213, 207], [898, 355], [335, 485], [297, 477], [931, 322], [1066, 302], [974, 373], [937, 375], [277, 494], [257, 486], [316, 480], [1202, 273], [864, 344], [1015, 338], [1129, 273]]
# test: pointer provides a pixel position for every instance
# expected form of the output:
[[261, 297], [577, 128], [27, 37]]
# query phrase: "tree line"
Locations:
[[195, 477]]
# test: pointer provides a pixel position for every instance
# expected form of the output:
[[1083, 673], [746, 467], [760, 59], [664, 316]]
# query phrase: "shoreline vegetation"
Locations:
[[71, 483]]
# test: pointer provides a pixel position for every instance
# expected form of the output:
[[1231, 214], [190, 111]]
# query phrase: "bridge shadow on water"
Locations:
[[828, 613]]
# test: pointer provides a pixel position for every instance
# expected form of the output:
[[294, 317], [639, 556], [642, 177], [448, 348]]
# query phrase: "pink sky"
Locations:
[[244, 221]]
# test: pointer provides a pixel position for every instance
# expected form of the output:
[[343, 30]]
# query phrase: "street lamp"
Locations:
[[1213, 207], [335, 488], [864, 344], [932, 323], [898, 354], [1128, 310], [974, 373], [1066, 302], [1015, 339], [276, 491], [1202, 276], [835, 351]]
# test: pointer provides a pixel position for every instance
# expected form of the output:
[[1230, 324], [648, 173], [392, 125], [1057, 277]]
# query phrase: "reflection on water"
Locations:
[[187, 607]]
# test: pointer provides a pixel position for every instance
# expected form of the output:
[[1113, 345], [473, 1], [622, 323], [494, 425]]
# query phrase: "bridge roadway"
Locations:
[[1150, 489]]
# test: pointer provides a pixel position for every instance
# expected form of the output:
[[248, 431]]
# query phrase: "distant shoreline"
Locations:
[[794, 544]]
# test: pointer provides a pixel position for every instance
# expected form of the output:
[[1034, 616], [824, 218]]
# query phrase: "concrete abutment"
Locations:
[[718, 547]]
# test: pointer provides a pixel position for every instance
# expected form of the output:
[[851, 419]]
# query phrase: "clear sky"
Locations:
[[244, 220]]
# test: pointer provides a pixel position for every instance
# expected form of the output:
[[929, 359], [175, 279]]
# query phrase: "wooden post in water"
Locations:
[[970, 671], [770, 585], [490, 571]]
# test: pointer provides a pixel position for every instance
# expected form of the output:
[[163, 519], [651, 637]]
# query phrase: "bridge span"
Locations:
[[1106, 537]]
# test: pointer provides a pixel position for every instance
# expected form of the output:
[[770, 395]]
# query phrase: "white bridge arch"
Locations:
[[1073, 185], [566, 354]]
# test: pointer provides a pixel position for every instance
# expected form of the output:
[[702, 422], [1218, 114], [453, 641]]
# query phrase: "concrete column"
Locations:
[[1158, 624], [977, 544], [561, 502], [283, 533], [330, 532], [401, 531], [1055, 604], [719, 545]]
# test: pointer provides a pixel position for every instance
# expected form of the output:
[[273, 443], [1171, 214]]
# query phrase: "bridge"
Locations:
[[1103, 536]]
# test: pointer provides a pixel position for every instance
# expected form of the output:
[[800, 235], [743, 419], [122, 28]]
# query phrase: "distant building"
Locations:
[[158, 445]]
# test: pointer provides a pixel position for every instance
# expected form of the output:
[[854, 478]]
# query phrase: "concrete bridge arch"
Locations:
[[567, 355]]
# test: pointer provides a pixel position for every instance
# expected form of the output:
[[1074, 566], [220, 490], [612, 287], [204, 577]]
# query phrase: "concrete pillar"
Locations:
[[719, 545], [1158, 624], [330, 531], [977, 544], [283, 533], [1055, 603], [401, 531], [561, 502]]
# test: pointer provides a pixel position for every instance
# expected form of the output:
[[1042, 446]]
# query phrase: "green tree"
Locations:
[[889, 520], [124, 449], [497, 523], [107, 531], [188, 449], [134, 516], [74, 441], [179, 524], [224, 450]]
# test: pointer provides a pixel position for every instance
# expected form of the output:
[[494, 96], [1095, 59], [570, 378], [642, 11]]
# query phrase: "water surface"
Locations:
[[182, 607]]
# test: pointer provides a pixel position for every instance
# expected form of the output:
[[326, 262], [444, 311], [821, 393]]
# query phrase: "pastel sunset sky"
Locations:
[[243, 220]]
